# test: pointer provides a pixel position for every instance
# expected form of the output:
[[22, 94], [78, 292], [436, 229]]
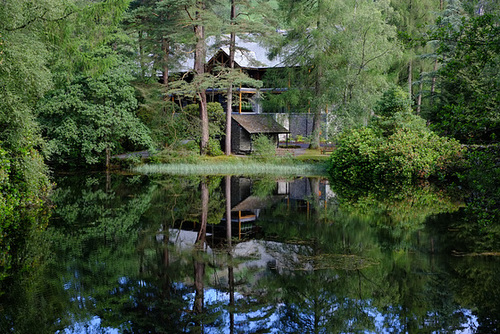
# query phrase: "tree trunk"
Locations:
[[108, 158], [166, 49], [433, 85], [141, 55], [317, 112], [199, 68], [229, 108], [228, 211], [204, 214], [204, 122], [410, 79], [420, 88], [230, 269], [229, 111], [199, 265], [317, 91]]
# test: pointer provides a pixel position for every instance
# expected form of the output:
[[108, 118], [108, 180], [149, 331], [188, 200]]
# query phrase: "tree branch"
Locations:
[[42, 17], [188, 13]]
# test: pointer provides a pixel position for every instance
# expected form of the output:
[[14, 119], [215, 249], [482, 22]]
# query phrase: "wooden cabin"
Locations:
[[245, 128]]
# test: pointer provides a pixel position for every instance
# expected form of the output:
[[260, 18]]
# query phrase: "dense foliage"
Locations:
[[190, 124], [24, 78], [66, 98], [397, 145], [92, 117], [342, 51], [482, 177], [157, 114], [469, 98]]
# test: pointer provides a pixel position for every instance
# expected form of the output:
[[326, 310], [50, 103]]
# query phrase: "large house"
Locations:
[[250, 116]]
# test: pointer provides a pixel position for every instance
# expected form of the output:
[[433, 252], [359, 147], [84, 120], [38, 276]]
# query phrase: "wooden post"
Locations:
[[240, 99], [239, 225]]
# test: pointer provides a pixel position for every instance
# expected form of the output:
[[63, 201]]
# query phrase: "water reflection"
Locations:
[[238, 255]]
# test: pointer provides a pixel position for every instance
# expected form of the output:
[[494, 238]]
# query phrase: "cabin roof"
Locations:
[[254, 202], [248, 54], [259, 123]]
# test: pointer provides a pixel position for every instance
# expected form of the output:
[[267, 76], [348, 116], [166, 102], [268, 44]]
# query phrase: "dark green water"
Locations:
[[137, 254]]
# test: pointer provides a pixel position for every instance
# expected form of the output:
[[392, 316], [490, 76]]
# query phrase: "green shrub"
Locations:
[[355, 156], [216, 120], [158, 114], [263, 148], [399, 147], [131, 161], [213, 147], [394, 100]]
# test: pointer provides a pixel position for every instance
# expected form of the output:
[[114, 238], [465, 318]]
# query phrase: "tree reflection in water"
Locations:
[[229, 254]]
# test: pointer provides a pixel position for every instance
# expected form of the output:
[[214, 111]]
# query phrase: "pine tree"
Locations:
[[337, 53], [246, 26]]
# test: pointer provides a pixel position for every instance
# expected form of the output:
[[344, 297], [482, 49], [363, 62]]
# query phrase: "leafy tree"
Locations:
[[154, 25], [24, 78], [342, 49], [191, 124], [395, 146], [412, 19], [92, 118], [469, 82], [85, 39], [200, 53], [157, 114], [393, 100]]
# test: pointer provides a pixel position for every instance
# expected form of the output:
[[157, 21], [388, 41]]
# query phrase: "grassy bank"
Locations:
[[235, 166], [183, 161]]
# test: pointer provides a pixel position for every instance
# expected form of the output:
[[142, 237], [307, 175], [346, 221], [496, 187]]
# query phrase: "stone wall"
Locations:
[[301, 124]]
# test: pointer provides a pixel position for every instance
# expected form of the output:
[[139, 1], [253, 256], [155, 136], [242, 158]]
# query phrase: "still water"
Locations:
[[137, 254]]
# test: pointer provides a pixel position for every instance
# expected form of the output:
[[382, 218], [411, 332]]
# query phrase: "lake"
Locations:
[[222, 254]]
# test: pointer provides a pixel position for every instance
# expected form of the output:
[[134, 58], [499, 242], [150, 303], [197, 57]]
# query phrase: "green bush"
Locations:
[[399, 147], [394, 100], [213, 147], [263, 148], [158, 114], [216, 119]]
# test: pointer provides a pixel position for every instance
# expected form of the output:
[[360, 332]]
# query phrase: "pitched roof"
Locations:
[[254, 202], [248, 54], [259, 123], [251, 54]]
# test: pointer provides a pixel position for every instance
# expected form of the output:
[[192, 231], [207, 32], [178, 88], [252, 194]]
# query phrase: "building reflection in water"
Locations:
[[302, 195]]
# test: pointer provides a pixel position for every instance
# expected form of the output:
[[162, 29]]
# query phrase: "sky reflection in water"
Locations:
[[153, 255]]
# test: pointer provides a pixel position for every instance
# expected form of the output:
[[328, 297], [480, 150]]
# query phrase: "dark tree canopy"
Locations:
[[91, 117], [468, 108]]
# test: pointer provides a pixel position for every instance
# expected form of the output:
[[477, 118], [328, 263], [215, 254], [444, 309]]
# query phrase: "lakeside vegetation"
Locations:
[[400, 222], [245, 168], [414, 90]]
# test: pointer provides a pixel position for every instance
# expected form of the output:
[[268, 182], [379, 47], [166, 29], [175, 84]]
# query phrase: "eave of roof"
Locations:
[[259, 123], [254, 202]]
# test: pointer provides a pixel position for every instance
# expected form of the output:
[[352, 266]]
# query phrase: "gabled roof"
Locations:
[[248, 54], [259, 123], [254, 202]]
